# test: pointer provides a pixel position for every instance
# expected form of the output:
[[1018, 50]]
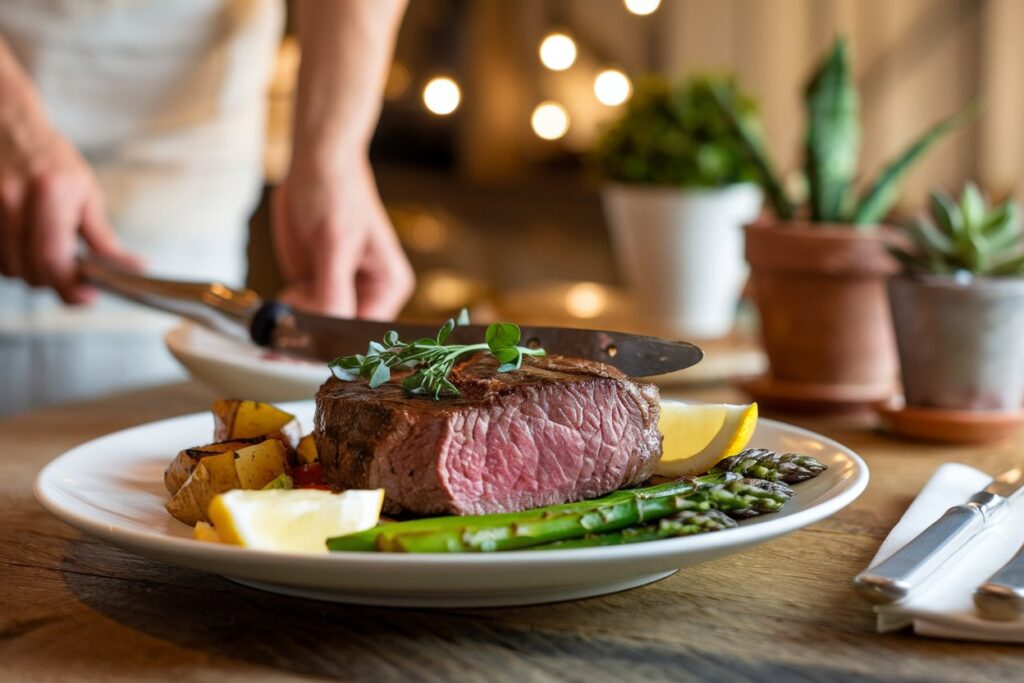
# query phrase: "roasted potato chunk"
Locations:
[[185, 462], [249, 467], [249, 419], [212, 475], [258, 465], [306, 450]]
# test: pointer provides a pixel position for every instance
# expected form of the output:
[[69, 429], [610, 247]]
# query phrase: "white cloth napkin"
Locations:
[[943, 606]]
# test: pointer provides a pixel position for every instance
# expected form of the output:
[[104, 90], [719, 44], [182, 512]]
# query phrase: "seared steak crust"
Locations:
[[557, 430]]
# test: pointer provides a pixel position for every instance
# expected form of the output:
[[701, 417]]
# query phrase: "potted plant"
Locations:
[[677, 189], [958, 306], [818, 272]]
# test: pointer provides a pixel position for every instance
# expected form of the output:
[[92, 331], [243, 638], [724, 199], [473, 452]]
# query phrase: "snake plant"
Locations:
[[831, 146], [967, 235]]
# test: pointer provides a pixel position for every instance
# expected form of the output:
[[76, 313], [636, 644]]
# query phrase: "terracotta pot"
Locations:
[[960, 341], [820, 290]]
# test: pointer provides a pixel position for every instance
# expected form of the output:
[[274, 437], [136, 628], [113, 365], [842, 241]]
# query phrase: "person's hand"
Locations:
[[335, 245], [48, 198]]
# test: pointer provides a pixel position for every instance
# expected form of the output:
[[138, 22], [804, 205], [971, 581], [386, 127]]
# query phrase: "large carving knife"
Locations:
[[277, 326]]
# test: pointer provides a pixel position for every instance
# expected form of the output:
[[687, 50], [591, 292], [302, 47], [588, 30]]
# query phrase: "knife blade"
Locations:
[[275, 325], [895, 577], [1001, 598]]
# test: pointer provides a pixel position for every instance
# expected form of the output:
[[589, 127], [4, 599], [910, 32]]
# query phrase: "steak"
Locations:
[[555, 431]]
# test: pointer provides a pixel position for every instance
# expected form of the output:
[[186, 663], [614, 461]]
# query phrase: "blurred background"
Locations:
[[489, 192], [493, 107]]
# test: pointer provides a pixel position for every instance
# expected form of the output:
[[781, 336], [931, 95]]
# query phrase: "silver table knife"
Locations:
[[895, 577], [277, 326], [1002, 596]]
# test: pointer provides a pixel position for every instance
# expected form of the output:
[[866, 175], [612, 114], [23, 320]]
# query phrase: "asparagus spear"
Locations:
[[724, 491], [736, 496], [614, 511], [761, 463], [368, 540], [773, 490], [684, 523]]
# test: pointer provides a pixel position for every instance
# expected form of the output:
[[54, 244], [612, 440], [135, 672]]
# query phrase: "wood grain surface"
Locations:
[[75, 609]]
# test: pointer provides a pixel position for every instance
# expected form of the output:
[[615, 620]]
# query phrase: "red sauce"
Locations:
[[309, 476]]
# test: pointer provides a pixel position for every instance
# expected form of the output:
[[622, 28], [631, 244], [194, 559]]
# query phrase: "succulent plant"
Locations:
[[831, 147], [966, 236], [677, 135]]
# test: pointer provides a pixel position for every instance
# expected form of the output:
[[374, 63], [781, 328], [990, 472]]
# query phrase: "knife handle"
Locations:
[[212, 304], [893, 579], [1002, 597], [264, 321]]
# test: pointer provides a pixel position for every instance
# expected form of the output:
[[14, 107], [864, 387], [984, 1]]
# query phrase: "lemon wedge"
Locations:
[[205, 532], [298, 520], [698, 435]]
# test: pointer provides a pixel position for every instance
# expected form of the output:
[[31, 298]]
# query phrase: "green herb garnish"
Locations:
[[432, 358]]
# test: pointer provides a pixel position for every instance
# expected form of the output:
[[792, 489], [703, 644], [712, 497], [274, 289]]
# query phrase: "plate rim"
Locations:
[[133, 540], [176, 342]]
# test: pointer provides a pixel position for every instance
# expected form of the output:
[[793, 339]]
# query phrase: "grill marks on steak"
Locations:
[[555, 431]]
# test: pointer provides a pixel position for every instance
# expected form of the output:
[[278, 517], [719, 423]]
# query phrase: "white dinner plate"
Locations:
[[112, 488], [239, 369]]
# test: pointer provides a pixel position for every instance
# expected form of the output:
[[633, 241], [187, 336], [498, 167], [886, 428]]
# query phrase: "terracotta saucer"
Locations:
[[814, 398], [948, 426]]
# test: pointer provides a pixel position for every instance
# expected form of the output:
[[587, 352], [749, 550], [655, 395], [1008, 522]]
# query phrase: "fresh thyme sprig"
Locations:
[[432, 358]]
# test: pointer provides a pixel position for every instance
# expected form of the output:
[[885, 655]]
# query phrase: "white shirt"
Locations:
[[166, 99]]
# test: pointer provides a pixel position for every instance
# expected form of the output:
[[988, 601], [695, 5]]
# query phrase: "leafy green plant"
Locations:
[[831, 149], [964, 236], [431, 358], [677, 136]]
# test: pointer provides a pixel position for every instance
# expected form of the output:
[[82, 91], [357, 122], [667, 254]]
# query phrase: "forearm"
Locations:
[[346, 51], [23, 121]]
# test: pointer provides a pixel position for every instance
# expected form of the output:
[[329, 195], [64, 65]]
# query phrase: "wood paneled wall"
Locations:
[[915, 61]]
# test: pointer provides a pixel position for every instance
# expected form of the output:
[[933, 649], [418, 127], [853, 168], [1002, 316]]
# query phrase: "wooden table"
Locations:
[[72, 608]]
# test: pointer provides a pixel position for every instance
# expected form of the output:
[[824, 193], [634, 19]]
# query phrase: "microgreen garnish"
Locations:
[[432, 358]]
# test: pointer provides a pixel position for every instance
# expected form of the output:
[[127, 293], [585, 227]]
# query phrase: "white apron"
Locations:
[[166, 99]]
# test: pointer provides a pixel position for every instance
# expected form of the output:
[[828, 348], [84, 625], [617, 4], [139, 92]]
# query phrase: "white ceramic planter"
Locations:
[[681, 252]]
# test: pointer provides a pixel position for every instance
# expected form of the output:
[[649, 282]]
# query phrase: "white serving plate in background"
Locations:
[[238, 369]]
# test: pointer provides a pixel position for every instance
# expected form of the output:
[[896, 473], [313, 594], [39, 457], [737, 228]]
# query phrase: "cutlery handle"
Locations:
[[893, 578], [212, 304], [1002, 596]]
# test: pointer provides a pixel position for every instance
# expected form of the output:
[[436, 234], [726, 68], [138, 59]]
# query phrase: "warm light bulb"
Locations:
[[642, 7], [442, 95], [550, 120], [557, 52], [585, 300], [612, 87]]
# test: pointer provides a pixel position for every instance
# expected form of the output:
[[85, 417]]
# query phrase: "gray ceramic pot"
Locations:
[[961, 344]]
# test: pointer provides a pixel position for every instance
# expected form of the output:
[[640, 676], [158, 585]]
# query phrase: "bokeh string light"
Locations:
[[550, 120], [557, 51], [642, 7], [442, 95], [612, 87]]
